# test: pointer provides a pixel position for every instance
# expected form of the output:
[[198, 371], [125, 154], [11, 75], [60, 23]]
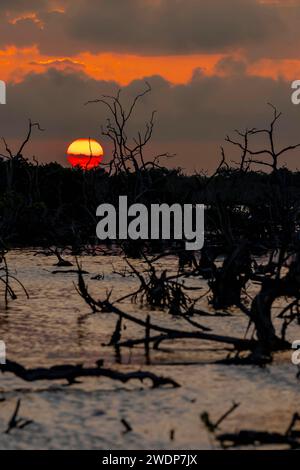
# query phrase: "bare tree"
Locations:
[[250, 156], [128, 154], [13, 157]]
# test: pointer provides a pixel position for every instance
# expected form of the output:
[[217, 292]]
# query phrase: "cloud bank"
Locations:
[[193, 116]]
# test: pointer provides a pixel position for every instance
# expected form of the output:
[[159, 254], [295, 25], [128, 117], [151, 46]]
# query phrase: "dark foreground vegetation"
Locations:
[[252, 238], [50, 205], [43, 205]]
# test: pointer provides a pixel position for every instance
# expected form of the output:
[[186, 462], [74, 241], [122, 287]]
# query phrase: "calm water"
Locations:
[[52, 328]]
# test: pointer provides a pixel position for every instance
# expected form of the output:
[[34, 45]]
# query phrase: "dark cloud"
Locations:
[[21, 34], [155, 27], [191, 119], [285, 44], [230, 66], [22, 6], [20, 30], [170, 27]]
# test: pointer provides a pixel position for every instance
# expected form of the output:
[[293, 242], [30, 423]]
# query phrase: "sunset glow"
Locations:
[[85, 153], [195, 61]]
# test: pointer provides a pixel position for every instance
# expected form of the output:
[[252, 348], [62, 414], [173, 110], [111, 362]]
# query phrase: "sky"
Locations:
[[213, 65]]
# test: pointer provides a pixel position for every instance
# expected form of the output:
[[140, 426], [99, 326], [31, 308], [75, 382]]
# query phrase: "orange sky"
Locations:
[[265, 49], [16, 63]]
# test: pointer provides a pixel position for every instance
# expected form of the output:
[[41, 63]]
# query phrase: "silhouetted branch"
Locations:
[[71, 373]]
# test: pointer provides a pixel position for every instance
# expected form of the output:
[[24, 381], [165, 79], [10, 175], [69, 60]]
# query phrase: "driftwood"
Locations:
[[69, 271], [165, 333], [71, 373], [239, 344], [126, 425], [159, 290], [291, 437], [257, 357], [6, 278], [15, 422], [246, 438], [212, 427]]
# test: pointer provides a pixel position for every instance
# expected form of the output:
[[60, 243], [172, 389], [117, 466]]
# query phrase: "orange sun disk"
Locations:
[[85, 153]]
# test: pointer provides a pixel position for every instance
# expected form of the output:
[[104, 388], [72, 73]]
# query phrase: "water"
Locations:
[[54, 327]]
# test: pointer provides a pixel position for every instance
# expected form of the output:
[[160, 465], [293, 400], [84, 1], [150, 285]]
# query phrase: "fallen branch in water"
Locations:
[[239, 344], [246, 438], [71, 373], [15, 422], [6, 278], [212, 427], [251, 437], [126, 425], [69, 271]]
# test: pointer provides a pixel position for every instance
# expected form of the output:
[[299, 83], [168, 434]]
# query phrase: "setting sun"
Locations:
[[85, 153]]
